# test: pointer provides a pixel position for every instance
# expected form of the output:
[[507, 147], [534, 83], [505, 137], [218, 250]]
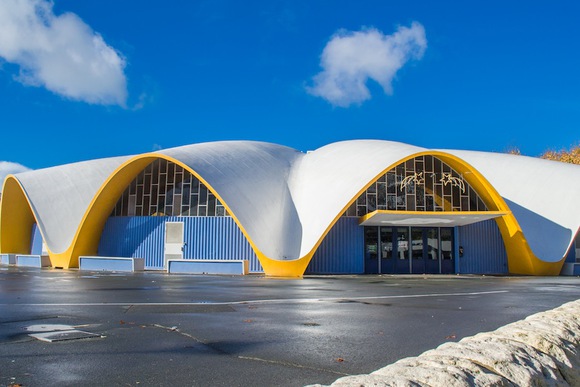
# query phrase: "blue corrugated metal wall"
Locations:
[[36, 243], [206, 238], [571, 257], [484, 251], [341, 252]]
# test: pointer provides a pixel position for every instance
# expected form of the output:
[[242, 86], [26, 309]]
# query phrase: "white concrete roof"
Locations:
[[543, 195], [286, 199], [61, 195], [251, 178], [323, 181]]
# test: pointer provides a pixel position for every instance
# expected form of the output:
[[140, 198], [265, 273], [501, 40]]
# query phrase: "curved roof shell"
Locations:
[[60, 196], [285, 201], [542, 195]]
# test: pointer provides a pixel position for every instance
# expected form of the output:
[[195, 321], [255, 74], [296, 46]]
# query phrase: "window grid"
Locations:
[[424, 183], [166, 189]]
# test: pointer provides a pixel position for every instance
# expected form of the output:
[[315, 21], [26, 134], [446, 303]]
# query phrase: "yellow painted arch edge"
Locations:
[[89, 232], [16, 218], [521, 259]]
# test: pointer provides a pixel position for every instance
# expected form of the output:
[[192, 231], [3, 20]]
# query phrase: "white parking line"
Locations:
[[270, 301]]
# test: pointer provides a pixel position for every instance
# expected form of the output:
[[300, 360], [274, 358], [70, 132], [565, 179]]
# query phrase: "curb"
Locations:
[[541, 350]]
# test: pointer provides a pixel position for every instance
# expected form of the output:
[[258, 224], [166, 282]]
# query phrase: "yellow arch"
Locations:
[[521, 259], [16, 218], [88, 234]]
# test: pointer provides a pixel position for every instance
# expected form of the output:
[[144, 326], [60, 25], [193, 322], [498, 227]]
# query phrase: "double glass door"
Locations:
[[408, 250]]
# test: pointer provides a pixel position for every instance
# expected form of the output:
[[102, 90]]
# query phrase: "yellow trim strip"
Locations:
[[16, 218], [87, 237]]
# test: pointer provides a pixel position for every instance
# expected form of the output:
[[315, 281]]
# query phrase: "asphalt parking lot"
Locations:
[[158, 329]]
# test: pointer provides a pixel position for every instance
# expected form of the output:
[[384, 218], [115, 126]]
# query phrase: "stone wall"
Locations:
[[542, 350]]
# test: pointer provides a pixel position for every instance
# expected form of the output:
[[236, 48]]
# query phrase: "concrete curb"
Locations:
[[541, 350]]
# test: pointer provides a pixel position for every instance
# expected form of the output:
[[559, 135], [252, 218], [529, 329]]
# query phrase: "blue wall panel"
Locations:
[[206, 238], [484, 251], [36, 243], [341, 252], [571, 256], [217, 238]]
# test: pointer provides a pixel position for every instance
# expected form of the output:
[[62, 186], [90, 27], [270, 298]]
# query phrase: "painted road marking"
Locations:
[[271, 301]]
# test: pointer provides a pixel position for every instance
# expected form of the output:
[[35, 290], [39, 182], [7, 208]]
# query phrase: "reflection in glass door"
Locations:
[[402, 265], [447, 259], [387, 262], [431, 250], [417, 251], [371, 249]]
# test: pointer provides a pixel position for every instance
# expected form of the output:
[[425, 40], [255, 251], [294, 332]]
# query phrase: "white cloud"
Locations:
[[7, 168], [61, 53], [350, 59]]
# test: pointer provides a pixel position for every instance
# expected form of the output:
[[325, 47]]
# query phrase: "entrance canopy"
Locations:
[[422, 218]]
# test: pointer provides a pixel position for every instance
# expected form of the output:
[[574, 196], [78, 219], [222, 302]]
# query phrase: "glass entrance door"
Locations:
[[402, 264], [387, 262], [371, 249], [417, 251], [426, 254], [409, 250], [447, 248], [431, 250]]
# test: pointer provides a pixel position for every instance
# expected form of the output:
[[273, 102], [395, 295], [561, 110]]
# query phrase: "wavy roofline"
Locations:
[[17, 211]]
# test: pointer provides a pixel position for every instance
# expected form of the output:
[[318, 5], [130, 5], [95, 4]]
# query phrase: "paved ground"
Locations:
[[176, 330]]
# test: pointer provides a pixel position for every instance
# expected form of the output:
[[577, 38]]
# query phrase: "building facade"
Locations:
[[352, 207]]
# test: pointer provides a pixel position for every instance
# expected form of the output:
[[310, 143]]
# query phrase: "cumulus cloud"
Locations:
[[350, 59], [60, 53], [7, 168]]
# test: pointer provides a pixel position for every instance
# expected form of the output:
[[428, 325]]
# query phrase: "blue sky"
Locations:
[[89, 79]]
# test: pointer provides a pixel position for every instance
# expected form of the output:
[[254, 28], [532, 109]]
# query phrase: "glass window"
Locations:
[[392, 202], [165, 189], [386, 242], [371, 242], [432, 243], [417, 243], [381, 196], [421, 184], [211, 201], [391, 183], [403, 243], [446, 243], [371, 202], [202, 195]]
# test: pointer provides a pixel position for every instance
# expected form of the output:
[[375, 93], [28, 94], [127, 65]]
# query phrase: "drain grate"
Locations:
[[73, 334], [58, 332]]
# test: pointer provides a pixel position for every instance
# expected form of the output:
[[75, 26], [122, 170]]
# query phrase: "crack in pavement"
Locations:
[[251, 358]]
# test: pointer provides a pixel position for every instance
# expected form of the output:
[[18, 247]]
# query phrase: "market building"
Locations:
[[351, 207]]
